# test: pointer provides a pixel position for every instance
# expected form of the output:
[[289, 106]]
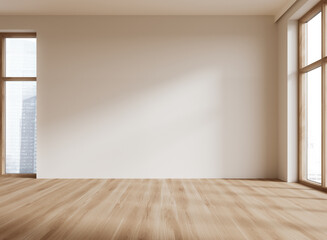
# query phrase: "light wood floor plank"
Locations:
[[160, 209]]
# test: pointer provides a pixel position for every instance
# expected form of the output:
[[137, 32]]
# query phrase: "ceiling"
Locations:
[[143, 7]]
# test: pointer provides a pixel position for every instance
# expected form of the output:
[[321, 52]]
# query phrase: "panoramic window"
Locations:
[[312, 96], [18, 78]]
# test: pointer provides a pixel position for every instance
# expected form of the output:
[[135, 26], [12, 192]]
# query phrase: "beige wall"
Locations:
[[282, 100], [155, 97]]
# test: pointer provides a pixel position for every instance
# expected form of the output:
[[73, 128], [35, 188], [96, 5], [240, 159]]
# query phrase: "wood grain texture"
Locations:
[[312, 12], [160, 209], [17, 34]]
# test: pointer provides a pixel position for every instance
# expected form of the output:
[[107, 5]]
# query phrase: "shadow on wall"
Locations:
[[161, 102]]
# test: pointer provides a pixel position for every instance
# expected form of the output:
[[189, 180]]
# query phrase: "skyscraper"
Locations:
[[28, 136]]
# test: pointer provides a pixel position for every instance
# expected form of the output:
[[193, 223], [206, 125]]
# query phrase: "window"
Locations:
[[313, 143], [312, 97], [18, 114]]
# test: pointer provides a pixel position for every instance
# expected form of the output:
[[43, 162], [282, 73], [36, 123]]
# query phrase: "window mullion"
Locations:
[[2, 97], [324, 97]]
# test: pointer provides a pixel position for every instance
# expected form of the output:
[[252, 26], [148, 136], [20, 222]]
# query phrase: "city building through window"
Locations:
[[18, 84]]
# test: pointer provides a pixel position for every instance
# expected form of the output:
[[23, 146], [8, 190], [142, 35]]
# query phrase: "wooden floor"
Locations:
[[160, 209]]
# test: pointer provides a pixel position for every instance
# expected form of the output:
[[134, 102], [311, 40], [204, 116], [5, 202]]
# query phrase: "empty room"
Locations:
[[163, 120]]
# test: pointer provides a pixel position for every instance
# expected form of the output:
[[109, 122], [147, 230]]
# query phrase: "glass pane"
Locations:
[[314, 39], [314, 125], [20, 127], [20, 57]]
